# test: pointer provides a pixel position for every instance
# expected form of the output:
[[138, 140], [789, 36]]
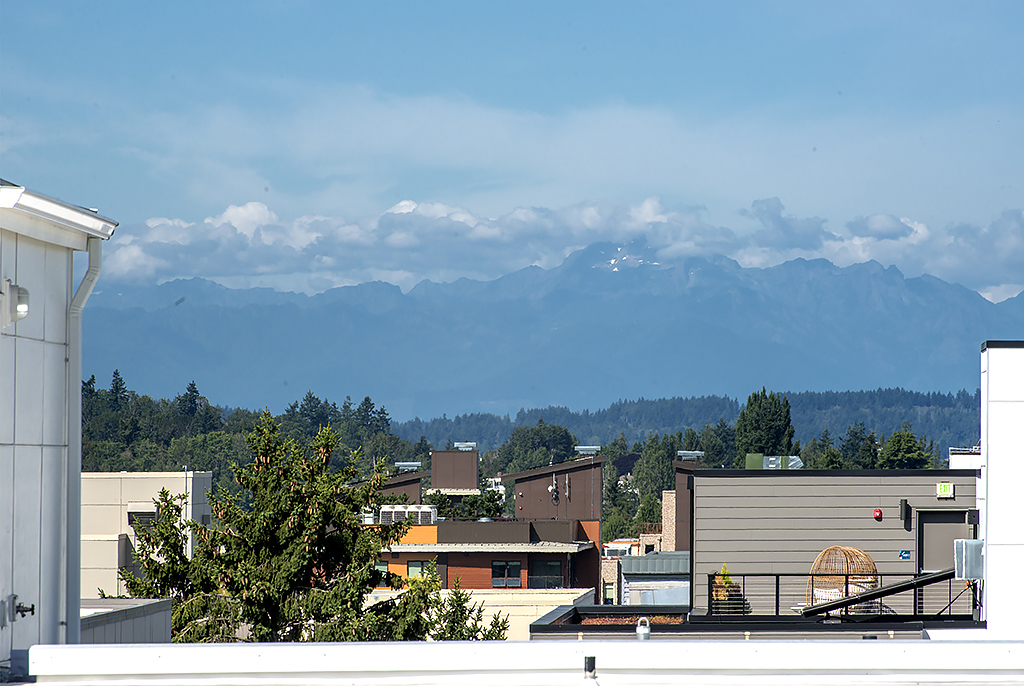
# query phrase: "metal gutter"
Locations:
[[71, 547]]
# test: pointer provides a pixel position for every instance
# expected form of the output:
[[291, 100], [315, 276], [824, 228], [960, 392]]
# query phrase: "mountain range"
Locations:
[[611, 322]]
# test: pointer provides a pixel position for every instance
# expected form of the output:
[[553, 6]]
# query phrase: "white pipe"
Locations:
[[71, 532]]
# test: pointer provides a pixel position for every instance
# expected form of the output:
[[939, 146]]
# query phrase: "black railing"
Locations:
[[537, 581], [787, 595]]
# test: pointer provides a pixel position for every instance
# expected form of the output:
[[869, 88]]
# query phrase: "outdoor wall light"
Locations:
[[13, 302], [878, 514]]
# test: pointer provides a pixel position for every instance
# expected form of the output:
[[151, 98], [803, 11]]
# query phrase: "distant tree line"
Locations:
[[950, 419], [125, 431]]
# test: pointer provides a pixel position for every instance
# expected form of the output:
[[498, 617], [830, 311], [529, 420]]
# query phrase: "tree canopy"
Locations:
[[290, 559], [763, 426]]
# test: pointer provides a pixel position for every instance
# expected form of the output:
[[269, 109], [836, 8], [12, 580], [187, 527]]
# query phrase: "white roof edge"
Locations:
[[71, 216], [538, 547]]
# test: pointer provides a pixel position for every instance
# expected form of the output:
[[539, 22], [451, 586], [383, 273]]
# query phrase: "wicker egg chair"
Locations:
[[841, 571]]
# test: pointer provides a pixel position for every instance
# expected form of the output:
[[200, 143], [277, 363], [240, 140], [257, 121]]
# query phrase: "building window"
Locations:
[[546, 574], [609, 592], [382, 567], [415, 569], [506, 574]]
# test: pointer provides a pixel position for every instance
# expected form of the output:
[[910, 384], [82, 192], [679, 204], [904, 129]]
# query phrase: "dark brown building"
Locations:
[[454, 470], [406, 483], [569, 490]]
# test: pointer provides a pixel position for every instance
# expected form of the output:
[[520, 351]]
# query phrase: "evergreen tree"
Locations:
[[763, 427], [118, 395], [691, 441], [199, 612], [649, 511], [903, 450], [455, 618]]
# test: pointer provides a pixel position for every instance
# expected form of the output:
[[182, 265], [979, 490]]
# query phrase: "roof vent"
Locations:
[[465, 445]]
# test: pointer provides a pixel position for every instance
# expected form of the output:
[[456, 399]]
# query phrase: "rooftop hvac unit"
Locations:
[[387, 514], [968, 562], [423, 514]]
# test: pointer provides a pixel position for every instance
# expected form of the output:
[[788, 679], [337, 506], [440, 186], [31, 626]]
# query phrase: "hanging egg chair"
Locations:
[[841, 571]]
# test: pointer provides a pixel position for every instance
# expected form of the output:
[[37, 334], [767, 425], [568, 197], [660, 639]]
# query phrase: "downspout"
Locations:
[[71, 547]]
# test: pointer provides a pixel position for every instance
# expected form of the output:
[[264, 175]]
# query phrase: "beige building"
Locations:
[[110, 500]]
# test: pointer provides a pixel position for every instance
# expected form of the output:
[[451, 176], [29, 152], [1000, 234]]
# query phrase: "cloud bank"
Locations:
[[250, 245]]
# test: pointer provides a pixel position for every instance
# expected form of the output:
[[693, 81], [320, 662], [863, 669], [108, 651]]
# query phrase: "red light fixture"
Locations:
[[878, 514]]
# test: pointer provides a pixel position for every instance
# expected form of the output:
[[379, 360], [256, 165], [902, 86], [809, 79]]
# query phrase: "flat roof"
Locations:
[[669, 563], [535, 547], [567, 466], [884, 473]]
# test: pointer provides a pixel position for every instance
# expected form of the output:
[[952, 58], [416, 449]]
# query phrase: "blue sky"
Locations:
[[305, 145]]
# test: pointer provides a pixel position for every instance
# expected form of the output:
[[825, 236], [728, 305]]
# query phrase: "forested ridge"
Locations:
[[125, 430], [947, 418]]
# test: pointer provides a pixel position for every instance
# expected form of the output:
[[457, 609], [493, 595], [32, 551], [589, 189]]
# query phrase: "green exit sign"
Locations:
[[944, 490]]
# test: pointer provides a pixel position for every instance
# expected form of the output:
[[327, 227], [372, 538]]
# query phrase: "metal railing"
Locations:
[[786, 595], [537, 581], [650, 527]]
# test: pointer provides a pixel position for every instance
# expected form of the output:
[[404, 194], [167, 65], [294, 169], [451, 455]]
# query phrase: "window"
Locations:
[[381, 566], [546, 574], [506, 574], [609, 592], [415, 568]]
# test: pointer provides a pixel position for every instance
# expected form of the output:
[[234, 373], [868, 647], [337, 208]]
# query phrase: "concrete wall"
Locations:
[[119, 620], [34, 444], [107, 537], [778, 522]]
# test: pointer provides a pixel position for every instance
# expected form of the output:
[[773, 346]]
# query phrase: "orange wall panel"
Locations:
[[592, 530], [421, 534]]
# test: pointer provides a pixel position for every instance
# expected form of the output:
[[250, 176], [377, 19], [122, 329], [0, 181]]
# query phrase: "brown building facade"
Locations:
[[504, 554], [454, 469], [569, 490]]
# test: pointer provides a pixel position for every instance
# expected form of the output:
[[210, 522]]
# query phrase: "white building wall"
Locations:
[[1002, 456], [33, 442], [40, 418], [107, 497]]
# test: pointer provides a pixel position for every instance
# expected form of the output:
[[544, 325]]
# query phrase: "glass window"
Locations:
[[415, 569], [381, 566], [506, 574], [545, 574]]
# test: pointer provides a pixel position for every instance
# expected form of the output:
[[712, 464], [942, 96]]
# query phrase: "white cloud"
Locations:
[[247, 218], [250, 244]]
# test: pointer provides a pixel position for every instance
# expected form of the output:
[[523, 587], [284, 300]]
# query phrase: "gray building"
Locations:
[[768, 522]]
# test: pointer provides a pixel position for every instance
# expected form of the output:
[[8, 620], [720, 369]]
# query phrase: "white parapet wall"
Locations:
[[1001, 480], [760, 663]]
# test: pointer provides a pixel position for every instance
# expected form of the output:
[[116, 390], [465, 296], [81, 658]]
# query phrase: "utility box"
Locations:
[[967, 559]]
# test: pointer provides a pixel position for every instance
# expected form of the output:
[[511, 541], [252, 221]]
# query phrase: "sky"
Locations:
[[306, 145]]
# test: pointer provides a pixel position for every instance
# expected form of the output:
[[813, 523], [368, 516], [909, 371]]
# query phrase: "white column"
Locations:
[[1000, 486]]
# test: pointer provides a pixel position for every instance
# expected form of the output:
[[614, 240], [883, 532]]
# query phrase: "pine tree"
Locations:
[[455, 618], [763, 427]]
